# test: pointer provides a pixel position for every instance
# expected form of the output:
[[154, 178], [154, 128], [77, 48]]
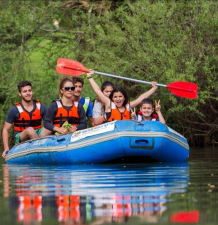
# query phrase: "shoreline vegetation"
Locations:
[[163, 41]]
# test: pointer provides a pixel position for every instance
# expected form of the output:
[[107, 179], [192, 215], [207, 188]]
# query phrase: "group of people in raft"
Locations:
[[112, 104]]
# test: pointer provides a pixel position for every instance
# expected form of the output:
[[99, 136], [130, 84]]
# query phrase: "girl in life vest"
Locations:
[[99, 108], [117, 106], [64, 109], [146, 112]]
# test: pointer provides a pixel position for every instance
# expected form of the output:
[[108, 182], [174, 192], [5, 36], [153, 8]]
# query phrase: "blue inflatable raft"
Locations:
[[117, 141]]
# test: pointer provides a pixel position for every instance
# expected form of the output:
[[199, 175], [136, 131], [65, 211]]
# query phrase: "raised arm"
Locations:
[[147, 94], [133, 114], [105, 100], [157, 109]]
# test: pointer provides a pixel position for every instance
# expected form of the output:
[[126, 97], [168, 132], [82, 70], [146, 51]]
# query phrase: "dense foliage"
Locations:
[[164, 41]]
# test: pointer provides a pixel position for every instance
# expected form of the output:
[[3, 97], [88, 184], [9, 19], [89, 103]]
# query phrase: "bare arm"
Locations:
[[133, 114], [157, 109], [5, 136], [99, 120], [161, 118], [147, 94], [61, 130], [91, 120], [105, 100]]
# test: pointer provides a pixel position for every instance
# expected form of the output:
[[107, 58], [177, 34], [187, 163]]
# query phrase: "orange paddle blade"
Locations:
[[184, 89], [70, 67]]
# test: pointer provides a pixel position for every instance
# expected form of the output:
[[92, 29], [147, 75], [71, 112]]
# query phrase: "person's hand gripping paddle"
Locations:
[[178, 88]]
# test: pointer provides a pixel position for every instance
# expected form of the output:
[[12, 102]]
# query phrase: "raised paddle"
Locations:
[[179, 88]]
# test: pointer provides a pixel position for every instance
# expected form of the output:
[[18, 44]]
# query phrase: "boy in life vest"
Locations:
[[78, 83], [146, 112], [26, 116]]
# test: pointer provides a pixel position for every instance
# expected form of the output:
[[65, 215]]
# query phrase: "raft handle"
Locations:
[[141, 140], [61, 139]]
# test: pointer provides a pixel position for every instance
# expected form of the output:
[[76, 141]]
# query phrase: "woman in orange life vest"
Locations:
[[117, 106], [64, 109]]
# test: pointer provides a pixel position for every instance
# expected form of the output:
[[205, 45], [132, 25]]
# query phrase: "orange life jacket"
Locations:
[[63, 114], [29, 209], [117, 115], [25, 121]]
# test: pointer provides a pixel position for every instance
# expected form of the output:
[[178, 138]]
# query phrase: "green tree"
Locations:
[[165, 41]]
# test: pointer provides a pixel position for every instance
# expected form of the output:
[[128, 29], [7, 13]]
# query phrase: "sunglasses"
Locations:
[[69, 88]]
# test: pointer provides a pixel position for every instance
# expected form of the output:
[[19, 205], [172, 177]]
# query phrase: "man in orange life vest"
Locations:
[[26, 116]]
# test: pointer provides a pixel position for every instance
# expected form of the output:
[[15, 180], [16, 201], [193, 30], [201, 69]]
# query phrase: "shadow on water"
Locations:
[[92, 194]]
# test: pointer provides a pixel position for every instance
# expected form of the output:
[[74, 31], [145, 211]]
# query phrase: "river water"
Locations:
[[156, 193]]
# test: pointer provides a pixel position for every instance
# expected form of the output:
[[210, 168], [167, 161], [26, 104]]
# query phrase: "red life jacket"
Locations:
[[63, 115], [25, 121], [117, 115], [154, 118]]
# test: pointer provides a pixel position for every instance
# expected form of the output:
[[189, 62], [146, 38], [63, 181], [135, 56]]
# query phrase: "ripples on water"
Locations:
[[99, 194], [84, 192]]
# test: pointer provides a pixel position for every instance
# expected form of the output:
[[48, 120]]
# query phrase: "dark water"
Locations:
[[156, 193]]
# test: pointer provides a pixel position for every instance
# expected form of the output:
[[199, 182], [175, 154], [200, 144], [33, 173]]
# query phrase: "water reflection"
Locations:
[[93, 193]]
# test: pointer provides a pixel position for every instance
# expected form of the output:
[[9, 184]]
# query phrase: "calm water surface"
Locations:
[[156, 193]]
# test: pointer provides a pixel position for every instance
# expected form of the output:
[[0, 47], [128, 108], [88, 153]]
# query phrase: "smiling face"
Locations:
[[107, 91], [78, 89], [26, 93], [118, 99], [147, 110]]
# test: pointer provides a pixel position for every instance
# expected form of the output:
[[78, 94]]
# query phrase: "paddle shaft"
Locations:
[[179, 88], [129, 79]]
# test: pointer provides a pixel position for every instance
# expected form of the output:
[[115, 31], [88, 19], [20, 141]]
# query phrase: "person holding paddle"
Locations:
[[64, 110], [146, 112], [117, 106], [26, 116], [178, 88]]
